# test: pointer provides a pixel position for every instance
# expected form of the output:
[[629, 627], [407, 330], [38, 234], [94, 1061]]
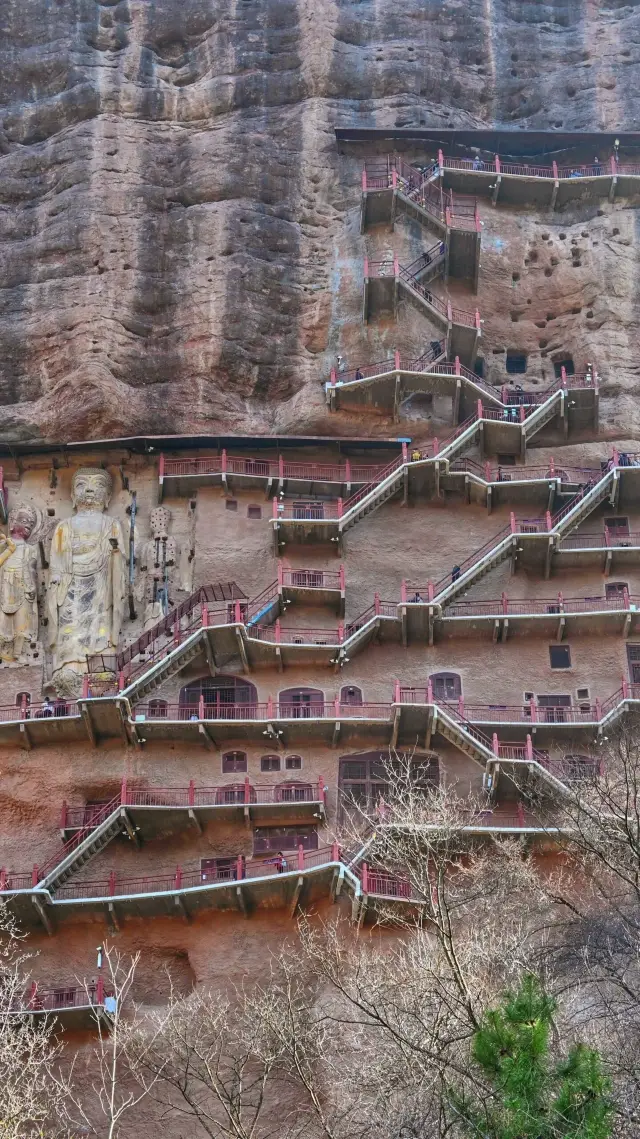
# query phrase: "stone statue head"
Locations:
[[23, 520], [91, 488]]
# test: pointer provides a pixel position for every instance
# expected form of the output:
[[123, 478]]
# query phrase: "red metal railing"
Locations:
[[13, 713], [505, 606], [187, 878], [366, 490], [275, 634], [312, 579], [309, 512], [270, 468], [583, 713], [605, 169], [62, 997], [87, 819], [271, 710], [602, 541]]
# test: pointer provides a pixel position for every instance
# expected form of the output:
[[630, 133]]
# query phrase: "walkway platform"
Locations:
[[547, 187]]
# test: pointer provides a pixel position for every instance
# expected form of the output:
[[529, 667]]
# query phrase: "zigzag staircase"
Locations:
[[85, 845], [372, 496]]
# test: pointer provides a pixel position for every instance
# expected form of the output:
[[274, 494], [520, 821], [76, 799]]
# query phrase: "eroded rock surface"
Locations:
[[179, 244]]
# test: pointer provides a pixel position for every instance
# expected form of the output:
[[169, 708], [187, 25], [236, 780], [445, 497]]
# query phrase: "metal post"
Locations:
[[247, 789], [365, 878], [495, 744], [396, 692], [178, 878], [123, 791], [201, 707], [100, 990], [529, 750], [132, 557], [192, 792], [300, 856], [34, 875], [112, 883]]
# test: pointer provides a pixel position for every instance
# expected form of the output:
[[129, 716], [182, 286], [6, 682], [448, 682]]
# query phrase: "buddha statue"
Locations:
[[87, 582]]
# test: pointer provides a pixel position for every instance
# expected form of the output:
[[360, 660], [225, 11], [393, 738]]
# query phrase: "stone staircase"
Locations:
[[372, 496], [165, 668], [492, 554], [463, 735], [543, 414], [81, 850]]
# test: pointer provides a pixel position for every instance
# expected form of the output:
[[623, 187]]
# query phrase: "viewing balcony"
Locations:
[[273, 476], [149, 809], [73, 1007], [546, 186], [552, 618], [224, 883]]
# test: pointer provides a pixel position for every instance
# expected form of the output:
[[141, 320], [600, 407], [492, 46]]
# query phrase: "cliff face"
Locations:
[[179, 245]]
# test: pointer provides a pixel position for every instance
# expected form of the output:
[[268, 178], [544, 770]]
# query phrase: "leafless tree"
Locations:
[[32, 1091], [594, 942], [115, 1081]]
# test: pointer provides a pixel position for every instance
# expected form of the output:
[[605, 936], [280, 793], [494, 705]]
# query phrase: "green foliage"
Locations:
[[518, 1091]]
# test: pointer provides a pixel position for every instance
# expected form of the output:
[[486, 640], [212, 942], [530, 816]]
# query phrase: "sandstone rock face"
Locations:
[[179, 243]]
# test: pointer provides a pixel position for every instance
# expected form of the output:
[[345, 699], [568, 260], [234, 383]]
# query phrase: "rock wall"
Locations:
[[179, 248]]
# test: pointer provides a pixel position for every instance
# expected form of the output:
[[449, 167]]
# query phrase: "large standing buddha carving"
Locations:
[[87, 582]]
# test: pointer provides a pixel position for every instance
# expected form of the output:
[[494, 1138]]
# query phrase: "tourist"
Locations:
[[455, 573], [359, 375], [477, 163]]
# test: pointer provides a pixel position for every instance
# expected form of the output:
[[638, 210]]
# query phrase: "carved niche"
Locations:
[[159, 562]]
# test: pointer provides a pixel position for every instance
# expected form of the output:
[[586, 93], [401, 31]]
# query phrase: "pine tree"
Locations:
[[529, 1095]]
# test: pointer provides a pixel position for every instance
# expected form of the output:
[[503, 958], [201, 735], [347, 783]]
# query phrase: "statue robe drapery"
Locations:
[[18, 607], [86, 588]]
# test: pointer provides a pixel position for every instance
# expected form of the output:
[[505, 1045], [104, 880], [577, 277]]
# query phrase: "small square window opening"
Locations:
[[560, 656]]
